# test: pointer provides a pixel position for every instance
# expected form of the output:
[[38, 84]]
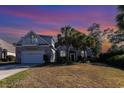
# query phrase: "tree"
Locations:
[[66, 38], [72, 37], [83, 42], [120, 17], [80, 42], [98, 35], [117, 38]]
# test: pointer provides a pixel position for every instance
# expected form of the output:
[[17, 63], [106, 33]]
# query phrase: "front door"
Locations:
[[72, 56]]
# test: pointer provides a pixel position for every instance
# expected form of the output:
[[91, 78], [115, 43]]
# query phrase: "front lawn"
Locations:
[[79, 75], [13, 80]]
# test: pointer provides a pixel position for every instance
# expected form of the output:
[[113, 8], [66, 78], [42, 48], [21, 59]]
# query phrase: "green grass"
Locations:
[[12, 80]]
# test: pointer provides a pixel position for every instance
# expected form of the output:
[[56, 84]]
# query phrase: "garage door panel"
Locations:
[[32, 57]]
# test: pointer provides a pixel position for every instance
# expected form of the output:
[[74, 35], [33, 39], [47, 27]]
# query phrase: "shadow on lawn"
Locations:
[[107, 65], [100, 64], [18, 66], [58, 64], [12, 66]]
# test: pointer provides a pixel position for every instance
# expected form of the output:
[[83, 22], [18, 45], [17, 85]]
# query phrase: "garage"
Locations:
[[32, 57]]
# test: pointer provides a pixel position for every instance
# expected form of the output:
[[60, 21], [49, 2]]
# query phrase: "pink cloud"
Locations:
[[21, 32], [59, 18], [47, 32], [42, 16], [38, 15]]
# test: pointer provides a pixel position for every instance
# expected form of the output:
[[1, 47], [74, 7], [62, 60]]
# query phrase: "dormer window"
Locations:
[[33, 36], [34, 39]]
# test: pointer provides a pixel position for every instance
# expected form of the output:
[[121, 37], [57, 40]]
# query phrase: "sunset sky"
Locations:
[[15, 21]]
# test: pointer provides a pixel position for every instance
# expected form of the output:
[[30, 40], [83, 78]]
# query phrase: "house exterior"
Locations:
[[34, 48], [6, 49], [74, 54]]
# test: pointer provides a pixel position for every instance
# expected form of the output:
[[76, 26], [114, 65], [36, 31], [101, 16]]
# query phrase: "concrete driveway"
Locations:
[[8, 70]]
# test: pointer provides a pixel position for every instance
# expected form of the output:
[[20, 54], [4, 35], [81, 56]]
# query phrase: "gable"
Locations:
[[32, 38]]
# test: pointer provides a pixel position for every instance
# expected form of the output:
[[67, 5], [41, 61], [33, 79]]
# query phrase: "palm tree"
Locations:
[[67, 38]]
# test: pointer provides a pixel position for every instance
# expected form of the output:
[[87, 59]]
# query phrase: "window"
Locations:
[[34, 39], [62, 53]]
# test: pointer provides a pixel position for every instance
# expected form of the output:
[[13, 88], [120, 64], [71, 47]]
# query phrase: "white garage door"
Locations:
[[32, 57]]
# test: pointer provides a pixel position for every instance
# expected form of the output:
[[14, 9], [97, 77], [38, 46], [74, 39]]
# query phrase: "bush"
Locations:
[[103, 57], [113, 58], [93, 59], [10, 58], [117, 60], [112, 53], [61, 60], [46, 59]]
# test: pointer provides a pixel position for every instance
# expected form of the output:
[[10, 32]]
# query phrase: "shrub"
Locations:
[[112, 53], [94, 59], [10, 58], [117, 60], [61, 60], [105, 56], [46, 59]]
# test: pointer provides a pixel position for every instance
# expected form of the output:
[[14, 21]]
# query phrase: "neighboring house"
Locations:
[[34, 48], [6, 49]]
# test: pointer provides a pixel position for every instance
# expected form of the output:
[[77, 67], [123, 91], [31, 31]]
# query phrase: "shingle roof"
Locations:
[[46, 38], [41, 39]]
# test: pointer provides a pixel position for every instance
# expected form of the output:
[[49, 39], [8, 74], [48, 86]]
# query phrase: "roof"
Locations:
[[6, 45], [46, 38], [49, 38], [38, 39]]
